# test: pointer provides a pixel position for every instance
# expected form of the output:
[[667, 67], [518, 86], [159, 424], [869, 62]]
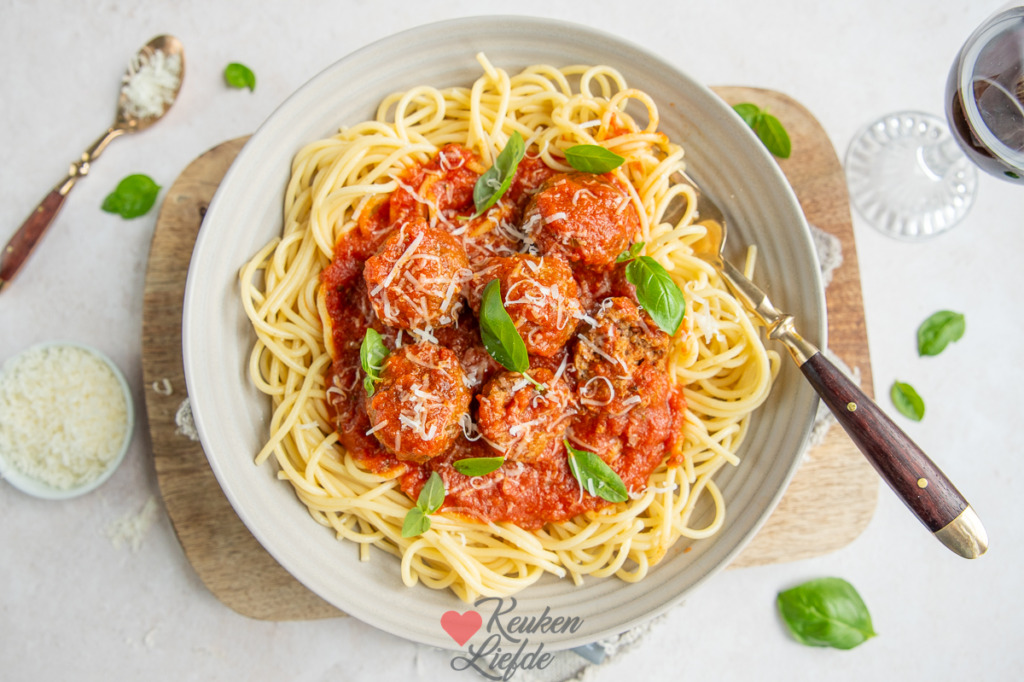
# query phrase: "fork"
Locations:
[[911, 474]]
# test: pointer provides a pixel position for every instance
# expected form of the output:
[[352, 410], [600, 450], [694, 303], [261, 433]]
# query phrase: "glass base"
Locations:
[[908, 178]]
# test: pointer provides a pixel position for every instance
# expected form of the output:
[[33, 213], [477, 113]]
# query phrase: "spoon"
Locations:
[[902, 464], [133, 114]]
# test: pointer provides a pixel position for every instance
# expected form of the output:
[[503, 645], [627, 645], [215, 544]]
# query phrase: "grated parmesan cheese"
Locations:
[[63, 415], [130, 529], [151, 83], [183, 419]]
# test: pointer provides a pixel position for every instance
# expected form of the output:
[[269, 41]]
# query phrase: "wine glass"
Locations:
[[910, 176]]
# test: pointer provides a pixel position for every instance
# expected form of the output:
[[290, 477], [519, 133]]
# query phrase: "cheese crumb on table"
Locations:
[[131, 528]]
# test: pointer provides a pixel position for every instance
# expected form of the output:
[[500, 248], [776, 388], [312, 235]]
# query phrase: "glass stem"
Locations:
[[938, 158]]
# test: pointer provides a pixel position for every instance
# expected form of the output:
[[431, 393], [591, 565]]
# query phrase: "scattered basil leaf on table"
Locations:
[[593, 158], [940, 330], [430, 499], [372, 353], [767, 127], [826, 612], [748, 112], [907, 401], [594, 476], [657, 292], [478, 466], [496, 180], [629, 254], [239, 76], [133, 196]]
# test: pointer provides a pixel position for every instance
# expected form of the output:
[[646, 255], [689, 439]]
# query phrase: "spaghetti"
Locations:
[[302, 292]]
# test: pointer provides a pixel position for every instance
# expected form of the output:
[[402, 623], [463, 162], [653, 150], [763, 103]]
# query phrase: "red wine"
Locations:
[[985, 96]]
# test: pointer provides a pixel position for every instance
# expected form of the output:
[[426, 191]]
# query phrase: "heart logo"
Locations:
[[461, 626]]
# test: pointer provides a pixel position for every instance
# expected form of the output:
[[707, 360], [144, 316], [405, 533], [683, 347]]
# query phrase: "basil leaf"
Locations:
[[239, 76], [657, 292], [767, 127], [499, 334], [133, 196], [593, 158], [774, 136], [632, 252], [478, 466], [416, 523], [430, 499], [748, 112], [907, 401], [496, 180], [826, 612], [431, 495], [372, 352], [594, 476], [940, 330]]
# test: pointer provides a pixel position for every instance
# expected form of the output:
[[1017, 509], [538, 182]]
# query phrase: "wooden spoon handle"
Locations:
[[905, 467], [29, 234]]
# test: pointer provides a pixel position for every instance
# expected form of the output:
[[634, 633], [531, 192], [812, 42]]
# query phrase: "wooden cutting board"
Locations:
[[829, 503]]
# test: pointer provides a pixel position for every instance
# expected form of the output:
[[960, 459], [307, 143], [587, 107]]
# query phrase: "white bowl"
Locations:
[[232, 417], [41, 489]]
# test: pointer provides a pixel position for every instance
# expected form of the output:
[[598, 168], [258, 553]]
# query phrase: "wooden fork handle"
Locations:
[[902, 464]]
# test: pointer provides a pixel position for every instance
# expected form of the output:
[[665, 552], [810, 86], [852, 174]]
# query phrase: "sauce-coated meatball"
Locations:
[[587, 218], [521, 420], [607, 355], [415, 280], [540, 295], [417, 406]]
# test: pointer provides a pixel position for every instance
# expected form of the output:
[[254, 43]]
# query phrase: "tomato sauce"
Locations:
[[633, 435]]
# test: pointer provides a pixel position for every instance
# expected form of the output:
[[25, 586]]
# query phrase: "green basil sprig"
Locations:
[[430, 499], [940, 330], [498, 332], [496, 180], [906, 400], [656, 291], [372, 353], [593, 158], [478, 466], [767, 127], [133, 196], [826, 612], [629, 254], [594, 476], [239, 76]]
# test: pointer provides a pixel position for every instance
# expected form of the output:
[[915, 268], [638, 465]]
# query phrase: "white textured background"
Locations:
[[75, 606]]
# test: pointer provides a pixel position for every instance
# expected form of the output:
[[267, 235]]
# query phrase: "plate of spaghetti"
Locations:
[[447, 343]]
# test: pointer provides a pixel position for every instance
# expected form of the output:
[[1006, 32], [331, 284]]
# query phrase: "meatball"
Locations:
[[416, 409], [415, 280], [607, 355], [463, 338], [520, 419], [652, 419], [587, 218], [540, 295], [596, 285]]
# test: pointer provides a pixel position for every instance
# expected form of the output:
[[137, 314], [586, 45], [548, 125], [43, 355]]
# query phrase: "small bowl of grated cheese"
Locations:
[[66, 420]]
